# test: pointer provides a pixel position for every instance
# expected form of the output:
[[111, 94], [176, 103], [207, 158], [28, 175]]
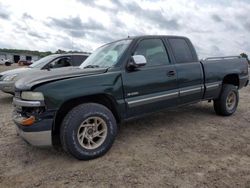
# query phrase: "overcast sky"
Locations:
[[216, 27]]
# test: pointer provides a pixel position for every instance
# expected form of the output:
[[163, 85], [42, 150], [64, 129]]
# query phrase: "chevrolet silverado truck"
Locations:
[[80, 109]]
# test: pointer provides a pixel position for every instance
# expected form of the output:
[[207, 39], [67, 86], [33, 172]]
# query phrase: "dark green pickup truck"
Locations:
[[80, 108]]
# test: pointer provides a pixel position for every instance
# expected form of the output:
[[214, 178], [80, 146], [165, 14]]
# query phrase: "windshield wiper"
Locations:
[[91, 66]]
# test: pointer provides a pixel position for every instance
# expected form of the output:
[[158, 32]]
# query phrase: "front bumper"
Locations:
[[41, 138], [7, 87], [39, 132]]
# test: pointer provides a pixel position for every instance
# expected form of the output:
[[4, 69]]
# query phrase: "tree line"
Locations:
[[245, 56]]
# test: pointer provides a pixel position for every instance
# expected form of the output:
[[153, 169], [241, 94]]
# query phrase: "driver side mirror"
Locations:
[[137, 61]]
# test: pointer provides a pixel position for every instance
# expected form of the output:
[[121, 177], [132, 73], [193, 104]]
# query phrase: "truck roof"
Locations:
[[145, 36], [150, 36]]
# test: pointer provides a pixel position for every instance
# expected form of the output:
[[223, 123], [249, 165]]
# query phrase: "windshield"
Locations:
[[43, 61], [106, 56]]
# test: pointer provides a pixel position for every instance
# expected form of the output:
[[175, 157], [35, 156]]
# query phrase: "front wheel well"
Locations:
[[102, 99]]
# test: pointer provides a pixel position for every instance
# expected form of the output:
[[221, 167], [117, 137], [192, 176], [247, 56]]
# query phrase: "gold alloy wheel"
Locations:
[[92, 132], [231, 100]]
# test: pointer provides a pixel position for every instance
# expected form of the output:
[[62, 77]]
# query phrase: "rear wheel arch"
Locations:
[[232, 79], [103, 99]]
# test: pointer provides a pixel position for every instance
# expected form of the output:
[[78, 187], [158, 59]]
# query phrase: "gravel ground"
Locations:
[[185, 147]]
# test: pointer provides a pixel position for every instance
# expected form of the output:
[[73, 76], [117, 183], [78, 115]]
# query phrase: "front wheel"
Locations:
[[88, 131], [228, 101]]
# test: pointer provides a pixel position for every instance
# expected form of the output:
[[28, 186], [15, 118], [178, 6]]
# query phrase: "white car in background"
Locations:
[[6, 62]]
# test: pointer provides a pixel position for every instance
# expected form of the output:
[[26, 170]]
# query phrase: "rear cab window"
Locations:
[[181, 50]]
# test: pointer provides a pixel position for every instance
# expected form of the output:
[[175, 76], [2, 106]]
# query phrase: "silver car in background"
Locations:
[[8, 78]]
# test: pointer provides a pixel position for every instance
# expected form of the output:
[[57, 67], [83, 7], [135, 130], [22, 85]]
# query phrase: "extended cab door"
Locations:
[[154, 86], [189, 70]]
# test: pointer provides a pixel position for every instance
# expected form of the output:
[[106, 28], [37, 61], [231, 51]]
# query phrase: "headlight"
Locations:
[[11, 77], [29, 95]]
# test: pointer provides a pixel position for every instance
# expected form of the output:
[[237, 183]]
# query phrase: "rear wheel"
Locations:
[[227, 103], [88, 131]]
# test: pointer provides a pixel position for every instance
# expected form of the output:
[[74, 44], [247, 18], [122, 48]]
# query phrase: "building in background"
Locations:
[[15, 57]]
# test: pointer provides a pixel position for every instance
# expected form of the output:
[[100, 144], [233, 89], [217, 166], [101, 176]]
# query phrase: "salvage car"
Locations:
[[80, 108], [24, 62], [8, 78], [5, 62]]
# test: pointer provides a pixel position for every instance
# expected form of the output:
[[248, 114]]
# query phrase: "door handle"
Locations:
[[170, 73]]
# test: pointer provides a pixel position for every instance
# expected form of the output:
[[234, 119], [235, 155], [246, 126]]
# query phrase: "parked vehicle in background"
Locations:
[[80, 108], [6, 62], [8, 78], [24, 62]]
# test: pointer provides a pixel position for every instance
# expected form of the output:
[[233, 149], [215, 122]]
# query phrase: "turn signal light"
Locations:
[[28, 121]]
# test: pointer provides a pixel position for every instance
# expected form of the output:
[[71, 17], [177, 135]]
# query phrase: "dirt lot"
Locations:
[[186, 147]]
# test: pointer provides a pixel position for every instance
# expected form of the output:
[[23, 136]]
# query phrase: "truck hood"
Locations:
[[36, 77]]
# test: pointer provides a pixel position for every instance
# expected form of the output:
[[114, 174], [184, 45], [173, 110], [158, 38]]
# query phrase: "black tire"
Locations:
[[7, 64], [71, 125], [221, 106]]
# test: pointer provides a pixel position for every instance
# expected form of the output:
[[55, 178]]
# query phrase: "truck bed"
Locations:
[[217, 69]]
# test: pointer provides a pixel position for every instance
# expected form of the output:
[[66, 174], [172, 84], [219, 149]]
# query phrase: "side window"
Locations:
[[153, 50], [77, 60], [181, 50], [61, 62]]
